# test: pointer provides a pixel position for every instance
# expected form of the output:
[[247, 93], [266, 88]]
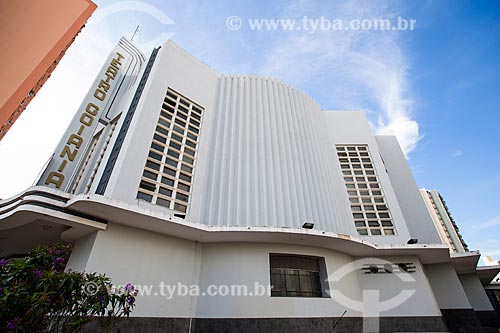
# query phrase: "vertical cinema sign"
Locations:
[[65, 160]]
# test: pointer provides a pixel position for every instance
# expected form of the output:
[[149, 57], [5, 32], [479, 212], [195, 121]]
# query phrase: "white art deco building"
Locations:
[[172, 173]]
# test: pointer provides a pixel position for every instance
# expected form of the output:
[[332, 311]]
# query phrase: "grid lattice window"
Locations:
[[295, 276], [168, 172], [369, 208]]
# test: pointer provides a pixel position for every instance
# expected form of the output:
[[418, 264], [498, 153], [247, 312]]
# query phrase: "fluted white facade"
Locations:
[[270, 160]]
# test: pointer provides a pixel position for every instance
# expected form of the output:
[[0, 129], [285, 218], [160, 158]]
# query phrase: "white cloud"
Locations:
[[458, 153], [363, 69], [494, 222]]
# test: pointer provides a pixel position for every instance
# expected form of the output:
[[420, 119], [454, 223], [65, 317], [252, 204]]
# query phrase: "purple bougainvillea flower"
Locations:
[[11, 325], [129, 287], [131, 300], [38, 273], [3, 262], [59, 260]]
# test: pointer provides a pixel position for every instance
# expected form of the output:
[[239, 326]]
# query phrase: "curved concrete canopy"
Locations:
[[82, 214]]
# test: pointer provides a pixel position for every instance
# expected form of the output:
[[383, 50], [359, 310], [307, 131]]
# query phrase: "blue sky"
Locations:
[[435, 87]]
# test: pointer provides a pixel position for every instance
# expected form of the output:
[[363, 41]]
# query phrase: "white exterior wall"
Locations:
[[418, 220], [173, 68], [475, 292], [421, 302], [129, 255], [351, 127], [81, 253], [447, 287], [248, 263]]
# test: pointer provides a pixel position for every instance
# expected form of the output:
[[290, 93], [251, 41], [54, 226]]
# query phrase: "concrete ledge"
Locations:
[[412, 324], [144, 324], [461, 320], [275, 325], [488, 318]]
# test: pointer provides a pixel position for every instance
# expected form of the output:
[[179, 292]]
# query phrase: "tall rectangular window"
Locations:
[[168, 172], [368, 205], [295, 276]]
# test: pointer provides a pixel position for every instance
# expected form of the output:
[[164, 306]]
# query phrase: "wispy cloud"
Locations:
[[458, 153], [494, 222], [360, 69]]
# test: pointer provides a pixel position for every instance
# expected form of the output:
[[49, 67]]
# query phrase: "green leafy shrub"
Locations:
[[37, 295]]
